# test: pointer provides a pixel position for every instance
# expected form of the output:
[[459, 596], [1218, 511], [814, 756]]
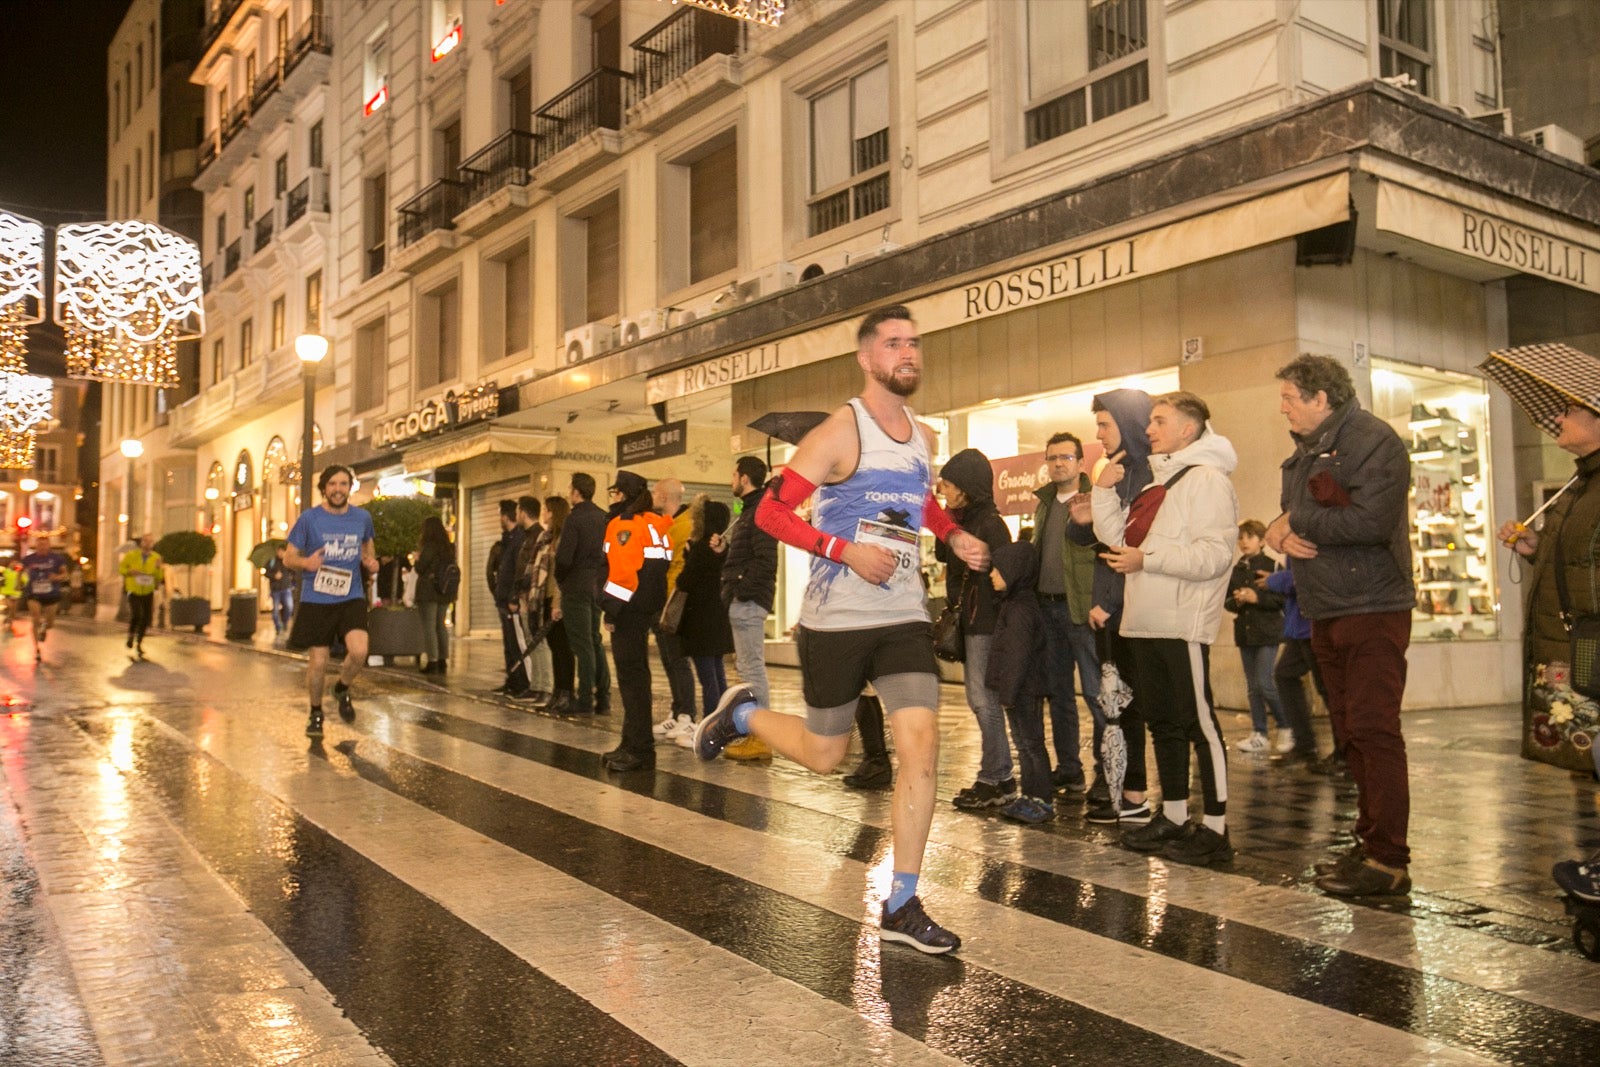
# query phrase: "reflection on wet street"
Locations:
[[451, 880]]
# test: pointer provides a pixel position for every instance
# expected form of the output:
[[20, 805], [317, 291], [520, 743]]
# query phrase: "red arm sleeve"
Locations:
[[937, 519], [776, 515]]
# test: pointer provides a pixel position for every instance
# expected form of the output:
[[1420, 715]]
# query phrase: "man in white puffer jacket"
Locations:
[[1175, 545]]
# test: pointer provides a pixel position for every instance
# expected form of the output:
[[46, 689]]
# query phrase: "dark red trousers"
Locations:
[[1363, 661]]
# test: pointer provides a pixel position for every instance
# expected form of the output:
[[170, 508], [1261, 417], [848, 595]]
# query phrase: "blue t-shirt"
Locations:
[[340, 537], [42, 568]]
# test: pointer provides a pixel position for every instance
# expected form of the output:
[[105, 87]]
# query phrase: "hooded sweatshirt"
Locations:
[[1130, 410], [969, 470], [1189, 549], [1017, 658]]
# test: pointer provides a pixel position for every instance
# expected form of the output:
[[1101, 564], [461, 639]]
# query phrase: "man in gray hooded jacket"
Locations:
[[1121, 417]]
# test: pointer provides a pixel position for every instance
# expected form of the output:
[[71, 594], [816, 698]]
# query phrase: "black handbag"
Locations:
[[672, 614], [949, 644], [1583, 633]]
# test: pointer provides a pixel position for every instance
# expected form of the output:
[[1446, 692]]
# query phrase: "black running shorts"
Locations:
[[836, 665], [320, 625]]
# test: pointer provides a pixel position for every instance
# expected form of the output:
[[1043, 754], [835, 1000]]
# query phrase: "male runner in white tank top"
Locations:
[[865, 616]]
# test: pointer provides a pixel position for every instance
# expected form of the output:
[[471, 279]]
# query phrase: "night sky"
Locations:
[[53, 107]]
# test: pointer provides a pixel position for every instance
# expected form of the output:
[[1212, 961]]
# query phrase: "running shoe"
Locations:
[[666, 728], [1029, 810], [980, 795], [1153, 836], [1134, 813], [1253, 743], [314, 723], [911, 926], [1578, 878], [1200, 846], [716, 731], [347, 708], [1285, 741]]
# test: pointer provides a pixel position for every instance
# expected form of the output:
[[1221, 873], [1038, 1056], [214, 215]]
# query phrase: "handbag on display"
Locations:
[[948, 642], [1583, 633], [672, 614]]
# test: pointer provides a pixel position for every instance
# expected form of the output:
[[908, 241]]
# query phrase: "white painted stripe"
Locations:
[[621, 592], [1208, 725]]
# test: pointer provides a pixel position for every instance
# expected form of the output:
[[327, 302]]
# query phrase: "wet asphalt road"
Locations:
[[446, 881]]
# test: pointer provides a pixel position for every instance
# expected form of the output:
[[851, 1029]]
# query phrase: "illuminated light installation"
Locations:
[[761, 12], [376, 100], [21, 286], [126, 293], [447, 43]]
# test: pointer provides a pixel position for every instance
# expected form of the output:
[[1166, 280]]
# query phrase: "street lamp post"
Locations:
[[311, 348], [131, 448]]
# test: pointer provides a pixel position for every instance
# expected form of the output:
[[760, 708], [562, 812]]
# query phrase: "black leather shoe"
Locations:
[[620, 762], [602, 704], [875, 772]]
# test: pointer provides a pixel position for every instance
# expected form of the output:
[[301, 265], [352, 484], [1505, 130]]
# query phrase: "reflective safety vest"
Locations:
[[638, 552], [141, 574], [10, 583]]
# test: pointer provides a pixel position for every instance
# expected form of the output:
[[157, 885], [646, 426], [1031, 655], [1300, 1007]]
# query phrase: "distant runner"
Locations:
[[141, 570], [46, 572]]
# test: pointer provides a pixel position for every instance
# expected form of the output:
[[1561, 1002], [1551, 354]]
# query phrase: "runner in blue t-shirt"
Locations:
[[45, 571], [333, 545]]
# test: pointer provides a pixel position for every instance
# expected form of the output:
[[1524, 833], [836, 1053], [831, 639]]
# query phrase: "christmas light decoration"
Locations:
[[761, 12], [21, 286], [126, 293], [25, 403]]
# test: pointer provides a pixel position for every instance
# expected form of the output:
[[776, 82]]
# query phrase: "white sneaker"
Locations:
[[1285, 741], [1253, 743], [685, 739], [680, 726], [666, 728]]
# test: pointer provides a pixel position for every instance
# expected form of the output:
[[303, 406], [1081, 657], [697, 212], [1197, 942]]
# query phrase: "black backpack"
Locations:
[[447, 580]]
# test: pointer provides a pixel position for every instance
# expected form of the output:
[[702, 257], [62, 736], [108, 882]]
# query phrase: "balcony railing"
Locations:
[[206, 277], [314, 36], [232, 256], [679, 44], [504, 161], [263, 232], [298, 203], [214, 26], [594, 102], [435, 208], [234, 120], [266, 84]]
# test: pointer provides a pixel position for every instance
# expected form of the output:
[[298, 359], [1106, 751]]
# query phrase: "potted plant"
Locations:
[[188, 549], [393, 629]]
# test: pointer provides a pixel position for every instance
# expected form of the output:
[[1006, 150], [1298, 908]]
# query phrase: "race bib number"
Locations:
[[897, 539], [144, 581], [333, 581], [44, 586]]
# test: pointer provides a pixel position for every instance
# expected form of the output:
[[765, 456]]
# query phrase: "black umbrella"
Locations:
[[790, 427]]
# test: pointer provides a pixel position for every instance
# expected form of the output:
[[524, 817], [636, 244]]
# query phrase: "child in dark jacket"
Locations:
[[1016, 673]]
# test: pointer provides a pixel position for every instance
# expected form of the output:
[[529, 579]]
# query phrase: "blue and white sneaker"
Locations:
[[716, 731]]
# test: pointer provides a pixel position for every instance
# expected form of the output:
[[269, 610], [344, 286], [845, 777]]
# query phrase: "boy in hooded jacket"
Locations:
[[1018, 675]]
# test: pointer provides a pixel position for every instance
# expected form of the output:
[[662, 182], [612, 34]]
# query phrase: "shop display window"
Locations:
[[1442, 418]]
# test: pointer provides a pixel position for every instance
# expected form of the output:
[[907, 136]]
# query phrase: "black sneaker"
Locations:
[[911, 926], [874, 773], [1064, 783], [1200, 845], [602, 703], [716, 731], [1154, 835], [314, 723], [1099, 793], [980, 795], [347, 708], [130, 640], [1125, 811]]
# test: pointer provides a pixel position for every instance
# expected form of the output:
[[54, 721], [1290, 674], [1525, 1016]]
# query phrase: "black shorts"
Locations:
[[836, 665], [321, 625], [45, 601]]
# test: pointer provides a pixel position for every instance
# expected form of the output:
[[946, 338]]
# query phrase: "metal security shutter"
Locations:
[[483, 530]]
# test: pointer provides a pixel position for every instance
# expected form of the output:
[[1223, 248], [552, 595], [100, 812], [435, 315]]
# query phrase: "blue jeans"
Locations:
[[994, 764], [1071, 645], [749, 622], [1263, 691], [282, 609], [713, 681], [680, 675]]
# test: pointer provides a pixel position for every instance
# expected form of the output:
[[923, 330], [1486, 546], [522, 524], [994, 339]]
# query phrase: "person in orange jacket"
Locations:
[[638, 553]]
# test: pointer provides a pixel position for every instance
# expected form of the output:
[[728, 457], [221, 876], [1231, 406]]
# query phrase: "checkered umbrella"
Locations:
[[1543, 379]]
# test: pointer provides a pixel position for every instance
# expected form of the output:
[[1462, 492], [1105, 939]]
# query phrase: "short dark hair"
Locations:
[[1097, 405], [329, 471], [1187, 404], [584, 484], [1062, 438], [508, 510], [529, 506], [1319, 374], [1254, 528], [752, 468], [869, 325]]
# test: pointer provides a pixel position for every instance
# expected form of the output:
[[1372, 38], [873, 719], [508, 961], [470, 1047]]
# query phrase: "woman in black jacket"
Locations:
[[704, 632], [1257, 630], [435, 554], [967, 484]]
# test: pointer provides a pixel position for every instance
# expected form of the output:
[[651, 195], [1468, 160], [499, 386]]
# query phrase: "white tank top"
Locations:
[[881, 504]]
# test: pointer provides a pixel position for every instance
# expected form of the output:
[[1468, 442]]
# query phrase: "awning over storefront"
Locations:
[[459, 447], [1085, 266]]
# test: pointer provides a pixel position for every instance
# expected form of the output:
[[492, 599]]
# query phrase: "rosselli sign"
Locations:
[[439, 414]]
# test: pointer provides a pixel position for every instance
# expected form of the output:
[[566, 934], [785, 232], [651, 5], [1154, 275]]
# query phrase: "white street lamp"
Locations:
[[132, 447], [312, 348], [28, 485]]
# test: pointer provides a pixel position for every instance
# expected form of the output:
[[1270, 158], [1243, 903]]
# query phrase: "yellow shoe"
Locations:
[[748, 748]]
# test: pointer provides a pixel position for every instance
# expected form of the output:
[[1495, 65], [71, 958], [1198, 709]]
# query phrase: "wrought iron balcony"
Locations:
[[206, 274], [435, 208], [232, 256], [267, 83], [263, 231], [504, 161], [680, 43], [314, 36], [297, 203], [594, 102], [222, 12]]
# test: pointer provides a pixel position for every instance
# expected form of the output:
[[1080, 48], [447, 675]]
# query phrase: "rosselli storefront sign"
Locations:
[[1251, 222], [1501, 234], [439, 414]]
